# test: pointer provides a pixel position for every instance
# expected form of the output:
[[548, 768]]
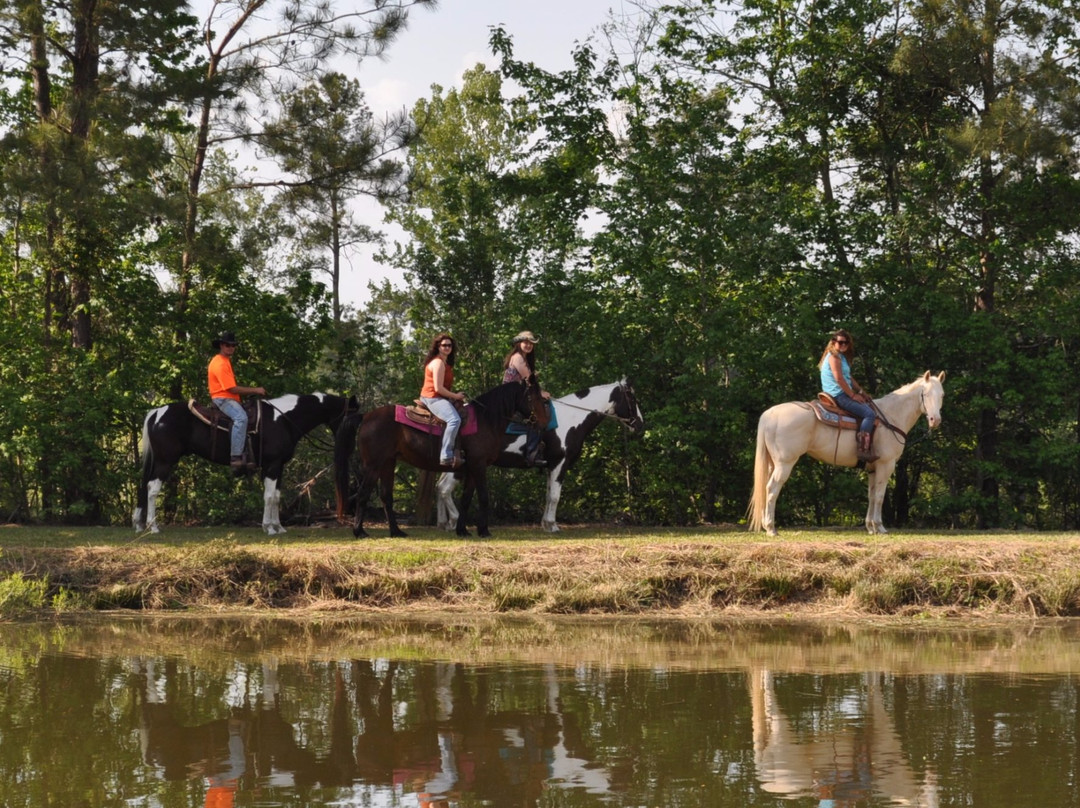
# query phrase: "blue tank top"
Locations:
[[828, 382]]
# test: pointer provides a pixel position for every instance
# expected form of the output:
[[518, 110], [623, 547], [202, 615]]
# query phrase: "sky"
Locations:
[[437, 48]]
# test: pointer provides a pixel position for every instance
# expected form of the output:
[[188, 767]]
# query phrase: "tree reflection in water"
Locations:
[[749, 718]]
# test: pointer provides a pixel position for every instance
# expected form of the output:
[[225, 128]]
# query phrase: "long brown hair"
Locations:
[[530, 357], [831, 347], [433, 351]]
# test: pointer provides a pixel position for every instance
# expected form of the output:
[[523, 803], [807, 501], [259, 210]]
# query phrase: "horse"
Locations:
[[172, 431], [382, 440], [788, 431], [576, 416]]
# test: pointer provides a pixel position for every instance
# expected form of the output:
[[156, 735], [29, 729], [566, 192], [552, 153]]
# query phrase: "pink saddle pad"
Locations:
[[467, 428]]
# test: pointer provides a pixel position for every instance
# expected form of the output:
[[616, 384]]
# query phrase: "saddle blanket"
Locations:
[[831, 418], [521, 429], [468, 427]]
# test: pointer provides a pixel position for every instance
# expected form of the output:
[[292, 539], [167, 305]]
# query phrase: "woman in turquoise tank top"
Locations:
[[836, 380]]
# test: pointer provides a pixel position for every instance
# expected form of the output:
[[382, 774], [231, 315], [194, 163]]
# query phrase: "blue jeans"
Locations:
[[444, 408], [234, 410], [864, 412]]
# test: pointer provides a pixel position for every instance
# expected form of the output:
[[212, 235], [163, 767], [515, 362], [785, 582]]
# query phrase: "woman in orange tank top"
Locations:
[[438, 395]]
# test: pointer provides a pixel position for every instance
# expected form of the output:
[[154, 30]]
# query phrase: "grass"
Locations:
[[658, 572]]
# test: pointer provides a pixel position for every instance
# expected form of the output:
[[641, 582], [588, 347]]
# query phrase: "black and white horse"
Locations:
[[172, 431], [577, 415]]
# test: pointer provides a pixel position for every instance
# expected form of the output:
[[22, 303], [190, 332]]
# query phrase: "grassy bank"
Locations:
[[665, 572]]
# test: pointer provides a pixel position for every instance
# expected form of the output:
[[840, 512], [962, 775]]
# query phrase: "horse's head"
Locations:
[[334, 408], [625, 407], [931, 397]]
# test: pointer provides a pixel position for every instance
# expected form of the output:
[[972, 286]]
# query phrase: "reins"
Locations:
[[897, 431], [624, 421], [317, 443]]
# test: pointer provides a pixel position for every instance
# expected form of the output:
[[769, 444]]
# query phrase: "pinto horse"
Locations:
[[788, 431], [172, 431], [382, 440], [576, 416]]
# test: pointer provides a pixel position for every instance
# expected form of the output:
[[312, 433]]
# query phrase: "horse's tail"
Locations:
[[147, 464], [344, 443], [763, 464]]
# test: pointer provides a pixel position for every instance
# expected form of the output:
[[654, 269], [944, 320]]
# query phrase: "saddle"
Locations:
[[832, 414], [418, 413], [216, 419], [418, 416]]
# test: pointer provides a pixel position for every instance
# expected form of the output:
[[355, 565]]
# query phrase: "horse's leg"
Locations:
[[386, 490], [780, 473], [877, 482], [482, 504], [363, 494], [554, 491], [271, 506], [444, 496], [153, 491], [466, 499]]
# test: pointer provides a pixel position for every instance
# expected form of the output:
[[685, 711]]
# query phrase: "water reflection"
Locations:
[[400, 713]]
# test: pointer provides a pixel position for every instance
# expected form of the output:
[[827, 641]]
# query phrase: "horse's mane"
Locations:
[[498, 401], [907, 388]]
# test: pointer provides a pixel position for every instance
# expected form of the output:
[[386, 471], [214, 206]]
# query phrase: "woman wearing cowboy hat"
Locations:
[[225, 394], [520, 366]]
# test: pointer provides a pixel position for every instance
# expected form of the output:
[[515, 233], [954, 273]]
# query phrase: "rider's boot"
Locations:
[[864, 447], [533, 451]]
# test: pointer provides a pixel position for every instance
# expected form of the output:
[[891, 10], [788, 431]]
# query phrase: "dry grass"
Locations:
[[600, 571]]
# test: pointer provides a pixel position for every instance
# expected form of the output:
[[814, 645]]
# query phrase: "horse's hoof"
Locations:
[[463, 533], [398, 534], [359, 533], [484, 534]]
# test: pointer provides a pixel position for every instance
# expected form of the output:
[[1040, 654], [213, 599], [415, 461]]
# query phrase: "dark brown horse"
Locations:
[[382, 440]]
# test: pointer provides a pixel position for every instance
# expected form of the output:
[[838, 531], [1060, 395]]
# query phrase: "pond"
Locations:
[[442, 712]]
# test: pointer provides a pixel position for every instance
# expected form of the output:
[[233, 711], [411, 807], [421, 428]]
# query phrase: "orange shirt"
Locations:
[[220, 378], [428, 390]]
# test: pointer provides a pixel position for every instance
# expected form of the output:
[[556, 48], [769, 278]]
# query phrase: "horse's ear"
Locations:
[[926, 376], [941, 377]]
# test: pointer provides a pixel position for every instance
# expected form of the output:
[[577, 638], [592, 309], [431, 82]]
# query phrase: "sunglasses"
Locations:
[[446, 345], [841, 342]]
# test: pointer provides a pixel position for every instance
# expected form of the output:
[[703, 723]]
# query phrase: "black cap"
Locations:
[[224, 338]]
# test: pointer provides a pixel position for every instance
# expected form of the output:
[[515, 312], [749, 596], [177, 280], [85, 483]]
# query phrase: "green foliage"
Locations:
[[20, 595], [697, 214]]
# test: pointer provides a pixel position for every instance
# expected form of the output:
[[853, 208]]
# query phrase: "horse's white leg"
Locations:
[[554, 491], [877, 482], [271, 507], [444, 498], [779, 476], [153, 490]]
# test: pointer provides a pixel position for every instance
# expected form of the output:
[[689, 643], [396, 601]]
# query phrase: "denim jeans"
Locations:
[[233, 409], [864, 412], [444, 408]]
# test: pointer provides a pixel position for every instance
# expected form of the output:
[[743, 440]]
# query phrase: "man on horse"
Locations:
[[225, 394]]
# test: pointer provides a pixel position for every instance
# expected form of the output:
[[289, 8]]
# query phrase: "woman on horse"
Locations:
[[438, 395], [520, 366], [836, 380]]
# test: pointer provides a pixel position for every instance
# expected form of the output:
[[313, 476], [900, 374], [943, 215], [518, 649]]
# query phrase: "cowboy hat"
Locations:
[[224, 338], [525, 336]]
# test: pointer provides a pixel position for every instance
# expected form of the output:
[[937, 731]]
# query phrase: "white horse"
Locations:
[[788, 431], [577, 415]]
